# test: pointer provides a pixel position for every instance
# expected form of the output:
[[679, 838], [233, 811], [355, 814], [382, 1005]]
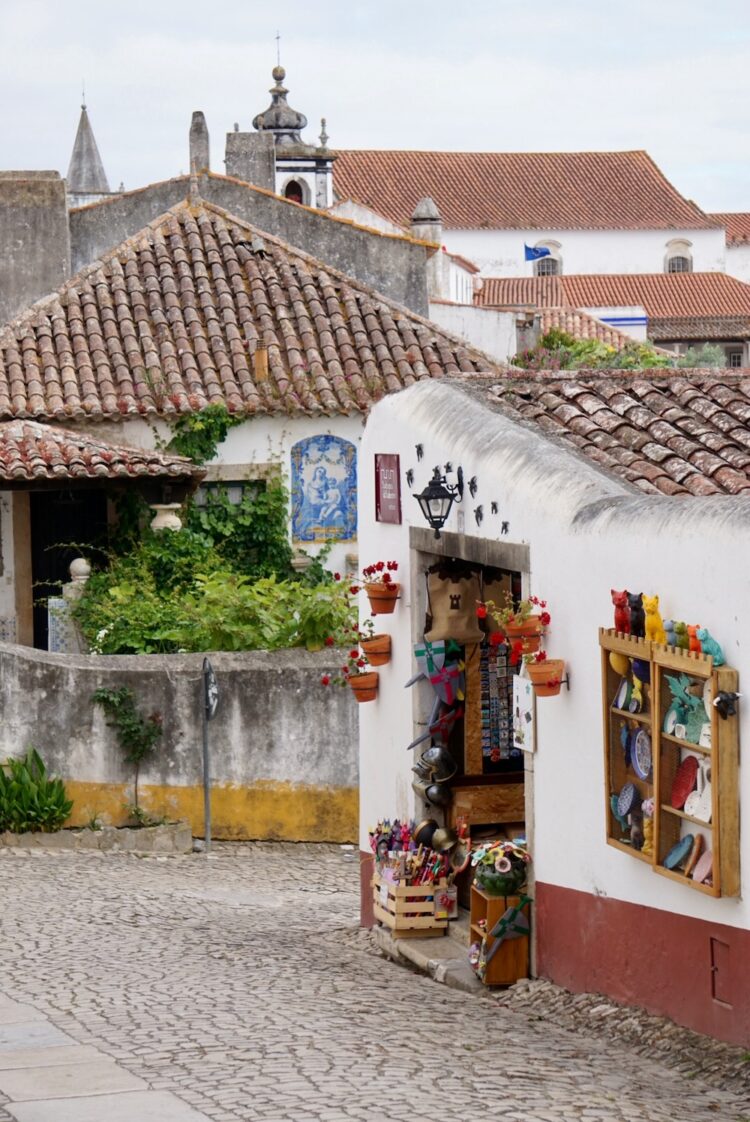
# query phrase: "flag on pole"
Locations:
[[532, 254]]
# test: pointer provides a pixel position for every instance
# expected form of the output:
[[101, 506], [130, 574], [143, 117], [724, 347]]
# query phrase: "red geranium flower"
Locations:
[[325, 680], [337, 576], [330, 641], [354, 589], [496, 638], [481, 611], [354, 653], [540, 656], [545, 618], [516, 652], [387, 578]]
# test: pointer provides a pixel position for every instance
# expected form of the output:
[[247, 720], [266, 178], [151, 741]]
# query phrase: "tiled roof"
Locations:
[[519, 190], [662, 295], [37, 453], [169, 322], [582, 326], [670, 433], [737, 226]]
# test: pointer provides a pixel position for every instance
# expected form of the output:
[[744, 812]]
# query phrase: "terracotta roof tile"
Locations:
[[662, 295], [31, 452], [671, 433], [519, 190], [582, 326], [170, 320], [737, 226]]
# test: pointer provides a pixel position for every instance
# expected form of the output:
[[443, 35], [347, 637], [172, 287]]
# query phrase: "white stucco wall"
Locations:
[[493, 332], [738, 262], [586, 534], [499, 253]]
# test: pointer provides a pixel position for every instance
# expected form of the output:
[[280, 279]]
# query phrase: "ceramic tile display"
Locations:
[[324, 489]]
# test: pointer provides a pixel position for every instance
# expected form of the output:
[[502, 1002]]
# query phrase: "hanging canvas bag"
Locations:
[[453, 608]]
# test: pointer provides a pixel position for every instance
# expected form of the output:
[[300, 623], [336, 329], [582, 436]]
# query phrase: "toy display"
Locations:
[[654, 628], [710, 647], [637, 614], [622, 610]]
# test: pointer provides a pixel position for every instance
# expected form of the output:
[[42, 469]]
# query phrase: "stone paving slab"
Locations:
[[49, 1057], [14, 1012], [31, 1034], [135, 1106], [95, 1077]]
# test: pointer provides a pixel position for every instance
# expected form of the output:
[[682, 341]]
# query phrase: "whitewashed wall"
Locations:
[[499, 253], [586, 534], [738, 262], [491, 331]]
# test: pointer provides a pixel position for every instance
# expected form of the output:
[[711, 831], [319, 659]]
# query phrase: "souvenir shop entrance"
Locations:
[[489, 794]]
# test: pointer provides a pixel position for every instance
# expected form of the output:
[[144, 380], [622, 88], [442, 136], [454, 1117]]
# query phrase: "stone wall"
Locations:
[[34, 243], [283, 747], [391, 265]]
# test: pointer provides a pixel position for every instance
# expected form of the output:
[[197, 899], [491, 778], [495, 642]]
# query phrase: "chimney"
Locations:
[[426, 223], [199, 150]]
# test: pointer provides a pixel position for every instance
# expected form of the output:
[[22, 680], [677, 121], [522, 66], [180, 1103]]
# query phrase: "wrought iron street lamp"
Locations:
[[438, 497]]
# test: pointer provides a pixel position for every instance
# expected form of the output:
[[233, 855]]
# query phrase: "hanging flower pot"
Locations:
[[528, 633], [377, 649], [364, 686], [546, 676], [382, 597]]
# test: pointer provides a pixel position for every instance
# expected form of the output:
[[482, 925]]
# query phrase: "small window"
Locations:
[[679, 265], [734, 359], [547, 267], [293, 192], [679, 256]]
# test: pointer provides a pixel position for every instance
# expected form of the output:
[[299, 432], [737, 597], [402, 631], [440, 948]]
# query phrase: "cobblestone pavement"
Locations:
[[237, 983]]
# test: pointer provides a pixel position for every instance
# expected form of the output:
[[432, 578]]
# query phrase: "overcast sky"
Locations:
[[670, 76]]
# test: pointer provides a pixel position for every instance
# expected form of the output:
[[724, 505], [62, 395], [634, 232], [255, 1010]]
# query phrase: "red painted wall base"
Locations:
[[694, 972]]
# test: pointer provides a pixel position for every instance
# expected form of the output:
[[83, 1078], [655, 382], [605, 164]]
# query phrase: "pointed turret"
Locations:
[[86, 178]]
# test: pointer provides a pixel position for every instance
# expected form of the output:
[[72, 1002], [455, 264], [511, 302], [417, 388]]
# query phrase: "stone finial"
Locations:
[[323, 134], [280, 119], [199, 142]]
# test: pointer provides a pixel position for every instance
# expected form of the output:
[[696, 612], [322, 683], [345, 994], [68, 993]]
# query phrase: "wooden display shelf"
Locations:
[[511, 961], [409, 910], [721, 834]]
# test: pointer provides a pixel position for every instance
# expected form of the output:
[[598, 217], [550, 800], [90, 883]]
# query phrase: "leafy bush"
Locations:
[[250, 536], [559, 351], [708, 354], [29, 798]]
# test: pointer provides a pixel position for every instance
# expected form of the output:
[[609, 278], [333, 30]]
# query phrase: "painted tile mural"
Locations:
[[324, 489]]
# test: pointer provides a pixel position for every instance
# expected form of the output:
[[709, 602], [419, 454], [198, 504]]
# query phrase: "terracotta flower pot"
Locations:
[[529, 633], [377, 649], [365, 686], [546, 677], [382, 597]]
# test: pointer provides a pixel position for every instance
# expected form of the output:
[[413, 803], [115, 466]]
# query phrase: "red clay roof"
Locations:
[[582, 326], [670, 433], [169, 321], [737, 226], [33, 452], [662, 295], [519, 190]]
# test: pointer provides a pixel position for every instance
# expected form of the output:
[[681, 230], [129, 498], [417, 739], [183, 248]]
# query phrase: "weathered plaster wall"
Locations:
[[738, 262], [34, 242], [283, 748], [392, 265], [493, 332], [499, 253]]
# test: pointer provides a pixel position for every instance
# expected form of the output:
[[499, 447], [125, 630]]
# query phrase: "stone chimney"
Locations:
[[34, 238], [199, 147], [251, 156], [426, 223]]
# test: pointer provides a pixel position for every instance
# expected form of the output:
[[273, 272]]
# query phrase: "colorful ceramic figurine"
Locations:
[[637, 617], [654, 626], [709, 646], [694, 643], [669, 632], [622, 610], [681, 636]]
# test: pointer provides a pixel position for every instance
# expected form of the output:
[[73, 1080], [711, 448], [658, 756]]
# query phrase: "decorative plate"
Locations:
[[684, 782], [679, 852], [622, 697], [640, 754], [670, 720], [705, 867], [628, 800]]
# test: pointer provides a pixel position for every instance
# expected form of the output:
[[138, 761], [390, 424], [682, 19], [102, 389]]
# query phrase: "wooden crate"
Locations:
[[409, 910], [511, 962]]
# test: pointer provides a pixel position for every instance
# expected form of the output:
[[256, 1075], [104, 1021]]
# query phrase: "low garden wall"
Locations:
[[283, 748]]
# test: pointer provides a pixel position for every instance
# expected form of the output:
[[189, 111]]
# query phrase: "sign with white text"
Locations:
[[387, 488]]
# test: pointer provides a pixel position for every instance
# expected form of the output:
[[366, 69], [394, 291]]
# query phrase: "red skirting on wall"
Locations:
[[692, 971]]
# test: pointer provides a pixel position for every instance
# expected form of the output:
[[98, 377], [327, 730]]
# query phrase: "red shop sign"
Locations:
[[387, 488]]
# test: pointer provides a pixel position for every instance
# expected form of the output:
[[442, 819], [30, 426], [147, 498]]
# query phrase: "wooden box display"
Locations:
[[678, 729], [511, 962], [410, 911]]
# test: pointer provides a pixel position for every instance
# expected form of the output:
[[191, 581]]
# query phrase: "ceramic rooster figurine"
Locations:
[[622, 610]]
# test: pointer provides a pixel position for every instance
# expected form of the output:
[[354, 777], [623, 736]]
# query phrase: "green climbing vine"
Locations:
[[136, 734]]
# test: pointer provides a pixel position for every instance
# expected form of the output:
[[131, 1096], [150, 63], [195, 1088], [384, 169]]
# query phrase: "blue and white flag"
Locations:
[[532, 254]]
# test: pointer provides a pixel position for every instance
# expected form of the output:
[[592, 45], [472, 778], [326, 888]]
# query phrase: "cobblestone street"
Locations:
[[239, 985]]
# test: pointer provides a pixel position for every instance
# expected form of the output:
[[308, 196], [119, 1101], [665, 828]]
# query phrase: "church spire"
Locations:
[[86, 174]]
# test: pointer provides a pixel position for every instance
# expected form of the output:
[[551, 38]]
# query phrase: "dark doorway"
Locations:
[[62, 522]]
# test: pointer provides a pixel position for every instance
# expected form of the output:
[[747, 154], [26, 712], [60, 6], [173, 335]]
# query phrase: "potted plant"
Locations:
[[382, 590], [376, 647], [546, 674], [355, 674], [524, 622], [501, 868]]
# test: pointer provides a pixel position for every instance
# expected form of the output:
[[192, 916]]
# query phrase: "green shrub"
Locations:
[[29, 798], [708, 354]]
